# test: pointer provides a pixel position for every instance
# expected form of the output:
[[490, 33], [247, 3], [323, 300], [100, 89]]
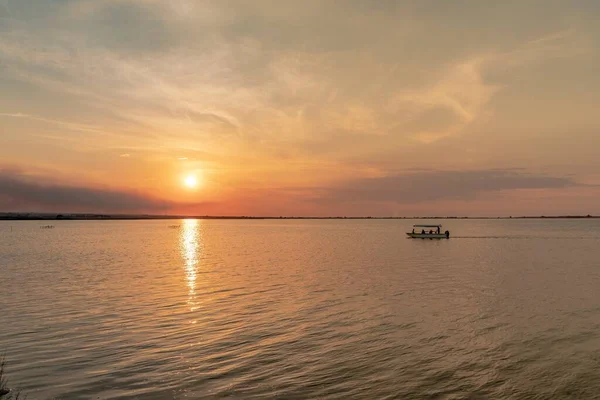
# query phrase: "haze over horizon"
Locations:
[[313, 108]]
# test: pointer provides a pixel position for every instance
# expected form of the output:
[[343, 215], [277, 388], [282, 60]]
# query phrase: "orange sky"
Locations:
[[300, 108]]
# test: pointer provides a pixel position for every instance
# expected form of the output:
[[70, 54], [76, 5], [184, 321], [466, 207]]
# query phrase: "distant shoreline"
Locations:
[[121, 217]]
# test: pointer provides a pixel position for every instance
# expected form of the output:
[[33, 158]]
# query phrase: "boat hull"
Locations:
[[427, 235]]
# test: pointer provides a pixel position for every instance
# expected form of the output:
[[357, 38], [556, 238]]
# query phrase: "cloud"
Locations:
[[20, 192], [220, 73], [66, 124], [552, 37], [428, 186]]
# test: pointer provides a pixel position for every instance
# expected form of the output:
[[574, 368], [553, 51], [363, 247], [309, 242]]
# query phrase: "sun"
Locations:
[[190, 181]]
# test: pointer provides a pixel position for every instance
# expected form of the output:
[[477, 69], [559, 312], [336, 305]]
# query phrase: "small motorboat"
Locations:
[[428, 232]]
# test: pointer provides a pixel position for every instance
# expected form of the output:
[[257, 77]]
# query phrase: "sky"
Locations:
[[300, 108]]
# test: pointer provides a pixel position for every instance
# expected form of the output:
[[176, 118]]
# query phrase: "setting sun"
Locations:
[[190, 181]]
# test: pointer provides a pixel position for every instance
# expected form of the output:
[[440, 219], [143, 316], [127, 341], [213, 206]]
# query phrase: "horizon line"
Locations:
[[16, 216]]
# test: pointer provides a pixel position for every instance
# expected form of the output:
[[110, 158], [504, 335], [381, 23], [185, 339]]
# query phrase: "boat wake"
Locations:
[[527, 237]]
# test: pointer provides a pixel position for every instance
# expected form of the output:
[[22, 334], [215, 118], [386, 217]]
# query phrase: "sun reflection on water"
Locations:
[[190, 247]]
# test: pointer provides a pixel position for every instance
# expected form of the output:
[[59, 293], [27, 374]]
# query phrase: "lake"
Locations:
[[301, 309]]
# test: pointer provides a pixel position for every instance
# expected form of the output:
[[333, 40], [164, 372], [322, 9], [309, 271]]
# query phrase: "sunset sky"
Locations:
[[354, 107]]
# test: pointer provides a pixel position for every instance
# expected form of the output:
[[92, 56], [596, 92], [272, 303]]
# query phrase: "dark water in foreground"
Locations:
[[301, 309]]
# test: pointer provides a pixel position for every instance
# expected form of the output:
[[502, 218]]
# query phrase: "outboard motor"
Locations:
[[447, 233]]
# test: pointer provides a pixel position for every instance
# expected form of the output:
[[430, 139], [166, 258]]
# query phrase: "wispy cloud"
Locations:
[[239, 87], [65, 124], [552, 37]]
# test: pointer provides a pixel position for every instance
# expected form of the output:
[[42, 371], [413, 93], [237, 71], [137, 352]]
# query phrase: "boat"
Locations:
[[424, 232]]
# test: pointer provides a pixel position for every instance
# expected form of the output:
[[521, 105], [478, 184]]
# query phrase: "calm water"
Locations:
[[301, 309]]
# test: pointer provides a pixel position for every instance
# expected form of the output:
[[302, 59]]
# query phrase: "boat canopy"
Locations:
[[427, 226]]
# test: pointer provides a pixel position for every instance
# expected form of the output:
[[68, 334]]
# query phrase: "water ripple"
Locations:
[[308, 309]]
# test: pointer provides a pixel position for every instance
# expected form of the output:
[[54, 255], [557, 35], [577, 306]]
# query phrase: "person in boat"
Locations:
[[438, 230], [422, 231], [431, 232], [413, 230]]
